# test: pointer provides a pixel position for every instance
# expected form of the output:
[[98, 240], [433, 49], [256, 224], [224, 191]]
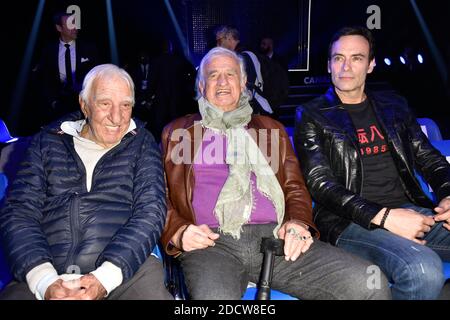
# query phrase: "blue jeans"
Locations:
[[415, 271]]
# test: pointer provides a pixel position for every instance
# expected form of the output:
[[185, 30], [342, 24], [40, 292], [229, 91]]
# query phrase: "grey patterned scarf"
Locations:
[[235, 202]]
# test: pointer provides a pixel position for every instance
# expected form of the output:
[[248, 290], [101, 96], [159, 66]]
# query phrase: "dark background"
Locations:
[[144, 24]]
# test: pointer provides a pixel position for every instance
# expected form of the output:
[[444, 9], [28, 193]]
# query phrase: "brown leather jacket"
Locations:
[[180, 177]]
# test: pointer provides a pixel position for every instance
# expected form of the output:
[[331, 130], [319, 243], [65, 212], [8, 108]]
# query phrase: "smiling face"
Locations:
[[222, 87], [349, 65], [108, 111]]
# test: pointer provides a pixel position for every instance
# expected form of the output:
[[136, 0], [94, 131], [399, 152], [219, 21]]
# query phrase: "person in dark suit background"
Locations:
[[59, 88], [139, 70], [266, 47], [171, 84]]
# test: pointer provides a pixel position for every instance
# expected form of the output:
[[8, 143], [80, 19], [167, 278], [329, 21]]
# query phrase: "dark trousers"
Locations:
[[222, 272]]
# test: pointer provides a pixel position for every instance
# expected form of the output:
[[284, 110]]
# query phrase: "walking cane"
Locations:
[[270, 247]]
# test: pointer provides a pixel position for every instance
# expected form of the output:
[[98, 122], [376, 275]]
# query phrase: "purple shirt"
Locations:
[[210, 174]]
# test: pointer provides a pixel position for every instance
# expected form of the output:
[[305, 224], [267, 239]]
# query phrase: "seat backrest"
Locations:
[[444, 147], [5, 276], [430, 128], [3, 185], [12, 155], [5, 136], [447, 270]]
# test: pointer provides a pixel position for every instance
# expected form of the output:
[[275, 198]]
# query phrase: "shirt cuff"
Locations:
[[40, 278], [109, 275]]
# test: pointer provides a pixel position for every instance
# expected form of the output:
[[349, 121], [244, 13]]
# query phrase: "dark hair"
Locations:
[[57, 17], [227, 30], [354, 31]]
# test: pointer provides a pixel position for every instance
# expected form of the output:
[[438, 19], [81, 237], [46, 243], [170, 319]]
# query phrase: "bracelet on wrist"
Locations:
[[385, 215]]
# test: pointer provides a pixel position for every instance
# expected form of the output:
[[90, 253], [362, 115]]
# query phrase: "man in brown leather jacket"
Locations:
[[233, 178]]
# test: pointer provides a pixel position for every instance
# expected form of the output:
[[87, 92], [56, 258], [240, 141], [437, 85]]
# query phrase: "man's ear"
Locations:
[[244, 84], [58, 28], [83, 106], [372, 65], [201, 88]]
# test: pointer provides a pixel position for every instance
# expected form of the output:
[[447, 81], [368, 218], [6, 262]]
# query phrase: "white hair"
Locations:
[[216, 52], [103, 71]]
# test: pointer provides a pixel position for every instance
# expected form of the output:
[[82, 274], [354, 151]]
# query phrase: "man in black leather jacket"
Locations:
[[359, 151]]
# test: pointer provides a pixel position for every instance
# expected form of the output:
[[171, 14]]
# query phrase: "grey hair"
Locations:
[[103, 71], [227, 30], [216, 52]]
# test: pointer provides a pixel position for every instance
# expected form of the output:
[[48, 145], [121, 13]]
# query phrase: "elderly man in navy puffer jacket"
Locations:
[[88, 204]]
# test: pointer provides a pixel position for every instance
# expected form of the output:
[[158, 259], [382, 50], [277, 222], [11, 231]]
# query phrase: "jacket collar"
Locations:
[[333, 100], [338, 118], [55, 127], [383, 109], [194, 119]]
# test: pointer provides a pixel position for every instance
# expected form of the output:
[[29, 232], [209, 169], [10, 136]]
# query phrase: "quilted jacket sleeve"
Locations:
[[24, 242]]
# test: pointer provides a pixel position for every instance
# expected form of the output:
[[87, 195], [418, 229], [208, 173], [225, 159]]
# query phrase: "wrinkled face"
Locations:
[[67, 31], [108, 111], [349, 64], [223, 85]]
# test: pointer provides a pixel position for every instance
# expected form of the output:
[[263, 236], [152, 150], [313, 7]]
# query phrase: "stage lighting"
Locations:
[[420, 58], [387, 61], [402, 60]]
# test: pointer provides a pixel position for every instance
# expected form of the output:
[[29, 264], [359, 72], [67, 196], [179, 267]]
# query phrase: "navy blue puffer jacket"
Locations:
[[50, 216]]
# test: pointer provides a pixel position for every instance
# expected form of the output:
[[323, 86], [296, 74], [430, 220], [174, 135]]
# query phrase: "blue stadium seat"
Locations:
[[5, 136], [430, 128], [3, 185], [252, 291], [290, 131], [444, 147], [447, 270], [5, 276]]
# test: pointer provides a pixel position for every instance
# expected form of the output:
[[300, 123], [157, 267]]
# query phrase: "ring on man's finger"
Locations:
[[302, 238], [292, 231]]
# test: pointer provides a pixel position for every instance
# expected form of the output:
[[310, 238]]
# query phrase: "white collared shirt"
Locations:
[[62, 59], [89, 151]]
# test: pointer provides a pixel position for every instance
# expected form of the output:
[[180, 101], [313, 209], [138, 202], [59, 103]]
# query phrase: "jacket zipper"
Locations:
[[75, 205], [190, 173], [75, 228]]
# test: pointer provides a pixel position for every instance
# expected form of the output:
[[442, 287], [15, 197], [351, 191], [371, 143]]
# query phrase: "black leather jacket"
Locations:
[[327, 145]]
